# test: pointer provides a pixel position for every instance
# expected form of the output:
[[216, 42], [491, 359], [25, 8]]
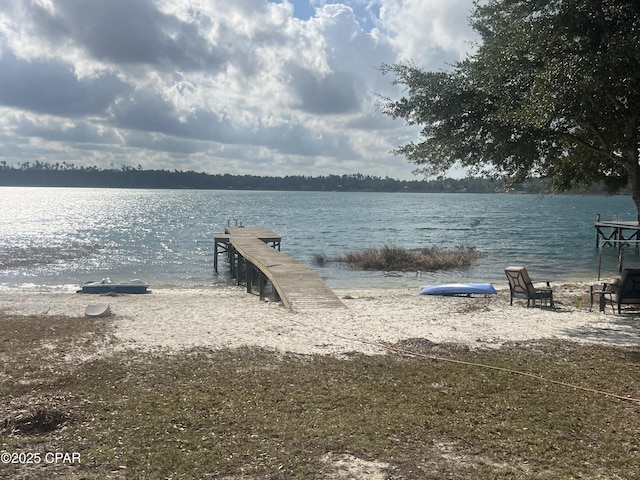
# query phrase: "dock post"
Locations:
[[261, 283], [239, 269], [215, 256], [232, 262], [250, 269], [620, 259]]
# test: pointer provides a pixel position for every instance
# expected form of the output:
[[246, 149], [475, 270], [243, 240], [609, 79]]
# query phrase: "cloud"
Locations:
[[433, 32], [127, 32], [51, 87], [64, 131], [247, 86], [330, 94]]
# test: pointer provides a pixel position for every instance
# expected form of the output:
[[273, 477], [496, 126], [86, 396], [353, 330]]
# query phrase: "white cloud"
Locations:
[[227, 87], [429, 32]]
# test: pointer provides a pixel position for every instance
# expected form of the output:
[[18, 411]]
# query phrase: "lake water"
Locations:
[[57, 238]]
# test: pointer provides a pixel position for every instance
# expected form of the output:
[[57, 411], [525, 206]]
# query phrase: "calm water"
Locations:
[[55, 238]]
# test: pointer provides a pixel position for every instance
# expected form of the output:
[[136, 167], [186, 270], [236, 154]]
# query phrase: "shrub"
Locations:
[[320, 259], [393, 258]]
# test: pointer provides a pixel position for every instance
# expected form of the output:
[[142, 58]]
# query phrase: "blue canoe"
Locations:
[[454, 289]]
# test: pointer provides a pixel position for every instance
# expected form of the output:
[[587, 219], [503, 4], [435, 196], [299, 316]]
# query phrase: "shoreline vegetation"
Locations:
[[40, 174], [391, 258]]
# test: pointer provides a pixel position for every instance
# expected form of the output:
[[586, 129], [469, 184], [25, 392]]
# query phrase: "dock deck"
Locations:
[[253, 260]]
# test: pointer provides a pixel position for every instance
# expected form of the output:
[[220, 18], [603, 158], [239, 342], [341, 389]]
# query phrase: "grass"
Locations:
[[252, 414], [392, 258]]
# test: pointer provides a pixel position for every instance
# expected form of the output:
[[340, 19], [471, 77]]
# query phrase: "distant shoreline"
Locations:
[[71, 176]]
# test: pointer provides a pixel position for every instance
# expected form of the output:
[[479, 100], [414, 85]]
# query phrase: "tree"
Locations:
[[552, 90]]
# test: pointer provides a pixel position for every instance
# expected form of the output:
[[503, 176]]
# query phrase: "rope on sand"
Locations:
[[436, 358]]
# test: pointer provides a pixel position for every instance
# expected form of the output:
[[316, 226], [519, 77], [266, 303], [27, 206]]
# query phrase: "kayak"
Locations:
[[456, 289]]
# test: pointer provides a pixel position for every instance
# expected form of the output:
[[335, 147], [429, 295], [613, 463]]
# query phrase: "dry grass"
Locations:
[[391, 258], [252, 414]]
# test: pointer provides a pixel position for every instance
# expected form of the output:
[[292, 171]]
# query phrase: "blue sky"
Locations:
[[244, 87], [302, 9]]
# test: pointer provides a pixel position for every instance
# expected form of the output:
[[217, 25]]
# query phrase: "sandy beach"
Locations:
[[177, 319]]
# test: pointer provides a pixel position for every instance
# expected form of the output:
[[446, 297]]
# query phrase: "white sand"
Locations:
[[217, 318]]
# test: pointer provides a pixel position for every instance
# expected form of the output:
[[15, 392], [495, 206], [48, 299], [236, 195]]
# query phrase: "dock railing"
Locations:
[[616, 233]]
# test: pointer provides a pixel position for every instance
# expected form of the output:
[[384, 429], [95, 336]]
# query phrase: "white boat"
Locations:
[[107, 286]]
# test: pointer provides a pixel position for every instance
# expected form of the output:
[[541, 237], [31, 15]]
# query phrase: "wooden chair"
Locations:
[[625, 291], [520, 285]]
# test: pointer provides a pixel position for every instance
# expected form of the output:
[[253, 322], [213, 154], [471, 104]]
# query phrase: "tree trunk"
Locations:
[[633, 169]]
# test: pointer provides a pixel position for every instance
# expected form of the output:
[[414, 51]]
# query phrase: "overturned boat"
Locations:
[[107, 286], [459, 289]]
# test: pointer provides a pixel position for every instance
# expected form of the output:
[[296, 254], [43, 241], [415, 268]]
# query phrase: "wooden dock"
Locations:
[[255, 258]]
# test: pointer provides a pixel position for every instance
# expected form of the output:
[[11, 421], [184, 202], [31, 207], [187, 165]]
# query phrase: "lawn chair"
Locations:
[[624, 291], [520, 285]]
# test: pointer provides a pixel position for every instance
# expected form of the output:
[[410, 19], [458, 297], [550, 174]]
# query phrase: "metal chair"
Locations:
[[520, 285], [625, 291]]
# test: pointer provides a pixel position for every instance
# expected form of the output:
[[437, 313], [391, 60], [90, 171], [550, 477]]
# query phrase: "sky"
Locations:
[[241, 87]]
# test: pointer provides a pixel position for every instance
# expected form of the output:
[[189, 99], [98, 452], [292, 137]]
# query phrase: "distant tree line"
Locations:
[[41, 174]]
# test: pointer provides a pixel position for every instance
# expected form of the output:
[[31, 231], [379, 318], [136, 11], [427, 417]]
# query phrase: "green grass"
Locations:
[[253, 414], [392, 258]]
